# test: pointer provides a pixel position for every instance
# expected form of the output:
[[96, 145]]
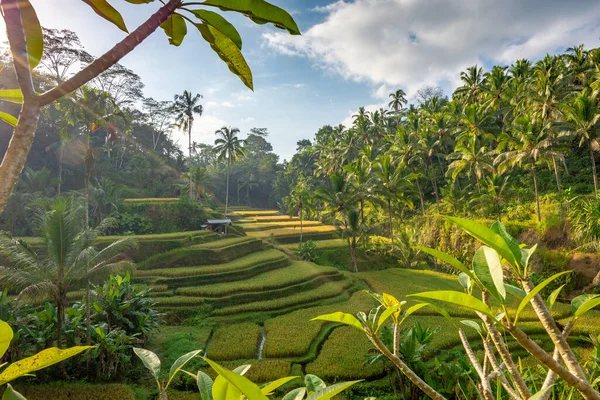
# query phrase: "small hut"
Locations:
[[217, 225]]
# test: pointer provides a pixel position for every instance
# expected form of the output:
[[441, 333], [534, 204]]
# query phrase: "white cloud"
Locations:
[[204, 129], [249, 119], [347, 122], [211, 104], [227, 104], [412, 43]]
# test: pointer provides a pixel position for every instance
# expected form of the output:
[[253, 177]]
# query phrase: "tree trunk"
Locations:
[[227, 189], [301, 222], [191, 194], [60, 168], [593, 168], [88, 315], [421, 197], [537, 196], [391, 221], [60, 310]]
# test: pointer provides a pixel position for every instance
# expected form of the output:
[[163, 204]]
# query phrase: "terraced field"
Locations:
[[256, 303]]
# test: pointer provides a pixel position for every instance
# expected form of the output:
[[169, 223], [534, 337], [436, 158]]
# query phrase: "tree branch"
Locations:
[[112, 56]]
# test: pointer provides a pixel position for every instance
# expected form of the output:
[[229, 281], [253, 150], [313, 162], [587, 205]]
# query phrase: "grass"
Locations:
[[79, 391], [261, 371], [263, 226], [274, 218], [152, 200], [292, 335], [342, 357], [330, 289], [161, 236], [235, 265], [322, 244], [234, 342], [284, 232], [298, 271], [256, 212], [225, 243], [171, 342]]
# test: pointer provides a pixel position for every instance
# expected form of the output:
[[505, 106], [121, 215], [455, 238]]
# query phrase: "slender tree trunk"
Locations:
[[60, 168], [537, 196], [557, 175], [227, 189], [60, 309], [421, 196], [593, 167], [191, 194], [353, 254], [391, 219], [88, 315], [434, 184], [301, 222], [481, 372]]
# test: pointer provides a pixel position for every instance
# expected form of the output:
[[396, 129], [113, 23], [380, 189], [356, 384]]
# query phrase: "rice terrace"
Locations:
[[353, 199]]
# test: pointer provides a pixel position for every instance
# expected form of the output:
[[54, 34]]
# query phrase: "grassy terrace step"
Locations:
[[219, 251], [263, 226], [234, 342], [274, 218], [211, 269], [297, 272], [321, 244], [253, 213], [295, 239], [327, 290]]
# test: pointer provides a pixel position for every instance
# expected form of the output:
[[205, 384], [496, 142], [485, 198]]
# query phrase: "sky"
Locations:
[[351, 54]]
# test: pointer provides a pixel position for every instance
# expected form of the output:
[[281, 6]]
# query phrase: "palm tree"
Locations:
[[298, 199], [185, 108], [398, 100], [230, 148], [527, 144], [200, 182], [472, 84], [583, 115], [472, 158], [69, 258]]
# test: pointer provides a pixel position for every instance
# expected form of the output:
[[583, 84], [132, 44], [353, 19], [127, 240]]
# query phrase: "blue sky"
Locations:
[[351, 54]]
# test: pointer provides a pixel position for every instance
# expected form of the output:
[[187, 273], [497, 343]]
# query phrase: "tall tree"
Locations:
[[398, 100], [229, 147], [185, 107]]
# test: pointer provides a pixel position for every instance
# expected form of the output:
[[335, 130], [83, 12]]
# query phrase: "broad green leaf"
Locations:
[[442, 312], [180, 363], [34, 38], [512, 243], [515, 291], [472, 324], [205, 385], [331, 391], [411, 310], [488, 269], [448, 259], [41, 360], [587, 306], [387, 314], [6, 336], [175, 28], [457, 298], [12, 394], [139, 1], [11, 95], [464, 280], [389, 300], [313, 383], [296, 394], [108, 12], [223, 390], [242, 369], [150, 360], [259, 11], [535, 291], [228, 52], [487, 236], [243, 384], [526, 255], [541, 394], [553, 296], [579, 300], [343, 318], [270, 387], [221, 24]]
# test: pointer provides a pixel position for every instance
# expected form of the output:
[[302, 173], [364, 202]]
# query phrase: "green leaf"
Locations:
[[541, 394], [242, 369], [553, 296], [331, 391], [515, 291], [175, 28], [6, 336], [228, 52], [12, 394], [488, 269], [11, 95], [579, 300], [180, 363], [487, 236], [205, 385], [34, 38], [259, 11], [535, 291], [296, 394], [457, 298], [41, 360], [472, 324], [587, 306], [314, 383], [108, 12], [464, 280], [223, 390], [526, 255], [448, 259], [343, 318], [443, 313], [221, 24], [270, 387], [387, 314], [512, 243], [139, 1], [150, 360], [411, 310], [245, 386]]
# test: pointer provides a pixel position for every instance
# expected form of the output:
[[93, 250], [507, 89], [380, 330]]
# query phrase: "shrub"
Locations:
[[307, 251], [131, 223]]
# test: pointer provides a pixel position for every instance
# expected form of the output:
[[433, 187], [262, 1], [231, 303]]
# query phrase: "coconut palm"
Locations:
[[185, 107], [471, 158], [297, 200], [398, 100], [527, 144], [583, 115], [200, 182], [69, 259], [229, 147]]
